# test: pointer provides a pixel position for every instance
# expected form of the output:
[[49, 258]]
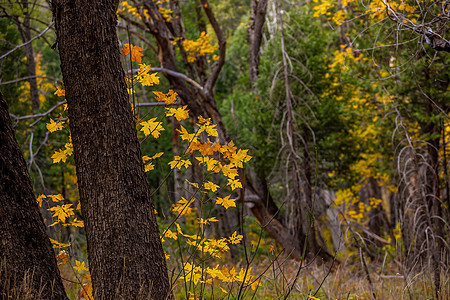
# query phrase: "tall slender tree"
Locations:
[[25, 250], [125, 254]]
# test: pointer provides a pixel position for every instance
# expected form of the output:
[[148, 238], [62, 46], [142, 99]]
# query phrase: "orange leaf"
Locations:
[[135, 51]]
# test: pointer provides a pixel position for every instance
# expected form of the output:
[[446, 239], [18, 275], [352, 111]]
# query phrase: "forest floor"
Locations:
[[349, 280]]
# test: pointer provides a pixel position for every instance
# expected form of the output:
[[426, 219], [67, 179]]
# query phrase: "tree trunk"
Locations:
[[255, 33], [25, 249], [126, 258]]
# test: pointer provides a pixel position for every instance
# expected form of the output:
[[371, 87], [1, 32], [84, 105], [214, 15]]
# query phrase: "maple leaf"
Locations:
[[230, 171], [180, 113], [194, 184], [57, 244], [234, 183], [182, 207], [211, 163], [226, 202], [39, 199], [148, 167], [56, 198], [159, 154], [168, 98], [208, 128], [149, 79], [77, 223], [211, 186], [171, 235], [207, 221], [228, 150], [202, 120], [62, 212], [59, 156], [235, 238], [53, 126], [69, 148], [80, 266], [135, 51], [240, 157], [63, 256], [205, 149], [179, 163], [152, 127], [185, 135], [60, 92]]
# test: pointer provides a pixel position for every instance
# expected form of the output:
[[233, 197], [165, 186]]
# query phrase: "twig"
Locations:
[[24, 44], [38, 116], [363, 261], [29, 77]]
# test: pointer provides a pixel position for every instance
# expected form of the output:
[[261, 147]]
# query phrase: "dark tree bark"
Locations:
[[126, 258], [255, 33], [24, 244]]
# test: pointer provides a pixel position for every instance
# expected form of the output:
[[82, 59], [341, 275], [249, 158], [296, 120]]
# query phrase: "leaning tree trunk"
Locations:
[[25, 249], [126, 258]]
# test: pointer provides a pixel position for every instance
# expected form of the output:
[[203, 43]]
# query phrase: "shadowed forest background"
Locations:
[[283, 149]]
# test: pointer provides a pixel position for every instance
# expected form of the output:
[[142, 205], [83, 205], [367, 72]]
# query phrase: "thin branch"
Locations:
[[24, 44], [140, 36], [176, 74], [29, 77], [38, 116]]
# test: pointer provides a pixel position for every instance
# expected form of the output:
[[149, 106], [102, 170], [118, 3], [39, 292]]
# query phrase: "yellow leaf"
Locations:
[[226, 202], [194, 184], [149, 167], [210, 129], [56, 198], [180, 113], [77, 223], [57, 244], [211, 164], [211, 186], [80, 266], [135, 51], [39, 199], [179, 163], [235, 238], [190, 137], [59, 156], [230, 171], [168, 98], [60, 92], [159, 154], [182, 207], [234, 183], [62, 211], [53, 126], [69, 149], [152, 127]]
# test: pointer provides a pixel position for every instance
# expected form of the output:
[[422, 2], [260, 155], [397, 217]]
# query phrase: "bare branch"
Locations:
[[24, 44], [29, 77]]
